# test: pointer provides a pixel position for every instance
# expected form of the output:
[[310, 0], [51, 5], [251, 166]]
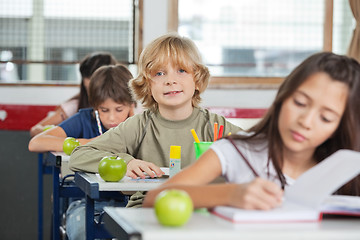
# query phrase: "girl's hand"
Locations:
[[136, 168], [258, 194]]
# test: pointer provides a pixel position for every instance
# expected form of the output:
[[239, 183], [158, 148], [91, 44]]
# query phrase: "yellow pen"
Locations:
[[195, 135]]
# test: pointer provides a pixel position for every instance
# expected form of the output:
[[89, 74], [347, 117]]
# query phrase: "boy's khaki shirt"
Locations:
[[148, 136]]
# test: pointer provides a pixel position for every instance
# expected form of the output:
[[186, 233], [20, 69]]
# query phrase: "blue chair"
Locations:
[[63, 190]]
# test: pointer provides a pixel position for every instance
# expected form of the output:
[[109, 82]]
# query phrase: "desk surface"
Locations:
[[126, 184], [126, 223], [244, 123], [64, 162], [63, 156], [92, 184]]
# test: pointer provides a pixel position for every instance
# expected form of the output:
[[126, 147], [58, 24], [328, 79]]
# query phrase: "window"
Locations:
[[261, 41], [343, 25], [43, 40]]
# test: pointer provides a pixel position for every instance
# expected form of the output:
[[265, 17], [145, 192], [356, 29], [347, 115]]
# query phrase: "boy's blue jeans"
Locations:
[[75, 216]]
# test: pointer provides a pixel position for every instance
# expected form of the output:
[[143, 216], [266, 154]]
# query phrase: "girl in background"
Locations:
[[109, 95], [88, 65]]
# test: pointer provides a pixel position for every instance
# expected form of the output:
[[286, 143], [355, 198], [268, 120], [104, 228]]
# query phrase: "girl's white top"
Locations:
[[70, 107], [234, 167]]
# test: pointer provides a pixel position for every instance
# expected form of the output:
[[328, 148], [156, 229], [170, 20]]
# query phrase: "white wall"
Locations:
[[31, 95], [241, 98], [155, 19], [155, 24]]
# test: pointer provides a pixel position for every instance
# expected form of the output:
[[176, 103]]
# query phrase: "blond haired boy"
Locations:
[[169, 83]]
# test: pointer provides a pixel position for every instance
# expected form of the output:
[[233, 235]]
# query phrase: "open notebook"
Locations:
[[310, 196]]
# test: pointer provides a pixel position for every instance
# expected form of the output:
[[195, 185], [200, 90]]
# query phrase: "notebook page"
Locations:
[[313, 186]]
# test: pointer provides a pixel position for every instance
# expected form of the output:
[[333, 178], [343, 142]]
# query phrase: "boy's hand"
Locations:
[[137, 168], [257, 194]]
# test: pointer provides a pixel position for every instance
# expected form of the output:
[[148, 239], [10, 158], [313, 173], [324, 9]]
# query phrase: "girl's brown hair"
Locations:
[[110, 82], [346, 136], [88, 66], [169, 48]]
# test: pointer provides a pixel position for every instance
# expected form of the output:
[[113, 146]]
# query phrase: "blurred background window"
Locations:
[[261, 38], [43, 40]]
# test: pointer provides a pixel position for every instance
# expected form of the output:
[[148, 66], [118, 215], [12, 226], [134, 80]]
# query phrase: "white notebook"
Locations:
[[310, 196]]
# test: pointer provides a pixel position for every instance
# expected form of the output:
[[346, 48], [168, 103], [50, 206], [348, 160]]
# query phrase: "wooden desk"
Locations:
[[96, 188], [127, 223]]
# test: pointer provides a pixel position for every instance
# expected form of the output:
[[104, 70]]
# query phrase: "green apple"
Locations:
[[47, 127], [112, 169], [173, 207], [69, 145]]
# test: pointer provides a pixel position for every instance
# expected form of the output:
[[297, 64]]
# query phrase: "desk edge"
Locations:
[[122, 231]]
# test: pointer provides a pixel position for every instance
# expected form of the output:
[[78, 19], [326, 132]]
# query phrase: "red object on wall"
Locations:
[[22, 117]]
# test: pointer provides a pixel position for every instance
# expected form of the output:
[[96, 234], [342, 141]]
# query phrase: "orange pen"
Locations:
[[215, 131]]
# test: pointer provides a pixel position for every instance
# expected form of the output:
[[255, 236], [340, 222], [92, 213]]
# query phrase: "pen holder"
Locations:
[[201, 147]]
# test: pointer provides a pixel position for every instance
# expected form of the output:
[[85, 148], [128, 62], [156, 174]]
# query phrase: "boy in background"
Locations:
[[109, 96], [88, 65]]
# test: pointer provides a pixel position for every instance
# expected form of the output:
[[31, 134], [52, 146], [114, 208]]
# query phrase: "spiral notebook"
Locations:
[[310, 196]]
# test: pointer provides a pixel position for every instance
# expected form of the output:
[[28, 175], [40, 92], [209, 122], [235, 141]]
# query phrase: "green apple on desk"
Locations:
[[112, 169], [69, 145], [173, 207]]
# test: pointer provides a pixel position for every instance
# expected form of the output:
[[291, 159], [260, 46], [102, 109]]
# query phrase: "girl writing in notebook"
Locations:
[[315, 113]]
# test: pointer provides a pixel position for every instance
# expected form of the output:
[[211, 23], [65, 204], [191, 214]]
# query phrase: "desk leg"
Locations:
[[40, 196], [89, 218], [56, 204]]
